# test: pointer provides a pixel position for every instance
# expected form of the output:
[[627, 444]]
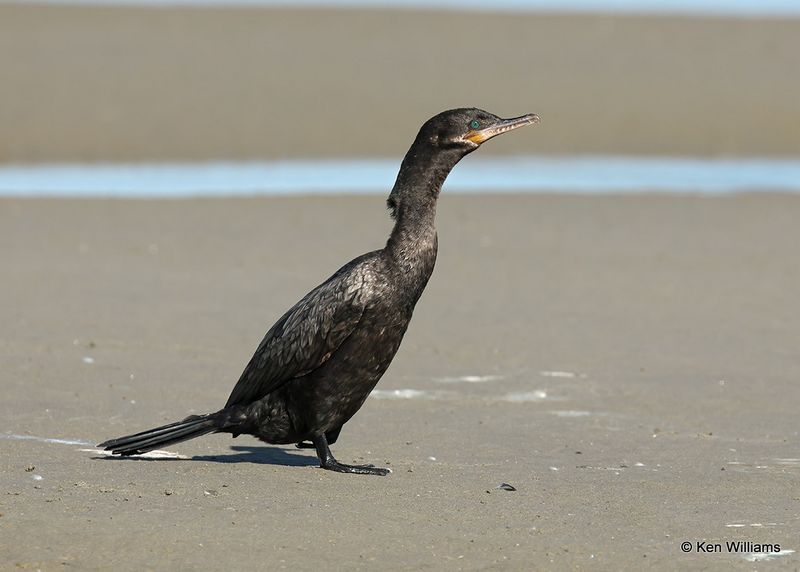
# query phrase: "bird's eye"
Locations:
[[474, 123]]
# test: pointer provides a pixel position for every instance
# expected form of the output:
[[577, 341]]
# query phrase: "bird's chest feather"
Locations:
[[334, 392]]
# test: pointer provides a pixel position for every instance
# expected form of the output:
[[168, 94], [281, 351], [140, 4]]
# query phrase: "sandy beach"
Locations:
[[159, 84], [628, 364]]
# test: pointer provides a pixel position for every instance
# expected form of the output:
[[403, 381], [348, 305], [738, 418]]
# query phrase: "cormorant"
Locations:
[[319, 362]]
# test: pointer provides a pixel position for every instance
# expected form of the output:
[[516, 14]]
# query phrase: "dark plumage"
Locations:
[[319, 362]]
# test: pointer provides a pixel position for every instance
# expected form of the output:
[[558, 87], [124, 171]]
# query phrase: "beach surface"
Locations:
[[85, 84], [628, 364]]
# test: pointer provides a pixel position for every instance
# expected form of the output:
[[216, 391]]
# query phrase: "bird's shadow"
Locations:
[[242, 454], [261, 455]]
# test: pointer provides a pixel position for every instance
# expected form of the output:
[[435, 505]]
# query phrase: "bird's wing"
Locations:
[[305, 337]]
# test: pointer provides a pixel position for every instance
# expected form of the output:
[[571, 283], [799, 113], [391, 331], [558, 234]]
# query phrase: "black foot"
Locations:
[[327, 462], [356, 469]]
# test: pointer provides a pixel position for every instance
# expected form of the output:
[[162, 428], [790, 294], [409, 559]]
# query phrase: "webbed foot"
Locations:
[[356, 469], [328, 462]]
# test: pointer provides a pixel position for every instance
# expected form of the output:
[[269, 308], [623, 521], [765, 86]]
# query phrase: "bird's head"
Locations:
[[441, 143], [465, 129]]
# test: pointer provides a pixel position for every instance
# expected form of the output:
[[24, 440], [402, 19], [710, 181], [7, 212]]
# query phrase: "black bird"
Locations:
[[319, 362]]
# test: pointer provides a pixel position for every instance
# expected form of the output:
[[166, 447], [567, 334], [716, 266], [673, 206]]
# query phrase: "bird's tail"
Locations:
[[191, 427]]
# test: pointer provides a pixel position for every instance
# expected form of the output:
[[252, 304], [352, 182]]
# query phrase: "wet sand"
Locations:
[[121, 84], [628, 364]]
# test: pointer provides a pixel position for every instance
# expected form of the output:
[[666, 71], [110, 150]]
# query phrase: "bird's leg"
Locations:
[[326, 461], [330, 436]]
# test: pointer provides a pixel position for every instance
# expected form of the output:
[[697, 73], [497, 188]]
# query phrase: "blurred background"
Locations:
[[628, 363], [166, 82]]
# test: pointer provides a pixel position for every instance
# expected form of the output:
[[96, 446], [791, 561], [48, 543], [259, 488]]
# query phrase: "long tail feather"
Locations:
[[189, 428]]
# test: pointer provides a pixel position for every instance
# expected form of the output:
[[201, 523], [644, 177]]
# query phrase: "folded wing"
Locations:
[[306, 336]]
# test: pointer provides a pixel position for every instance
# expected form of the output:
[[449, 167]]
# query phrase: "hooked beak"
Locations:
[[478, 136]]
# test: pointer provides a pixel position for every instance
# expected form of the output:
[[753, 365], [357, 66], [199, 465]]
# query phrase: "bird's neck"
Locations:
[[413, 201], [413, 247], [413, 243]]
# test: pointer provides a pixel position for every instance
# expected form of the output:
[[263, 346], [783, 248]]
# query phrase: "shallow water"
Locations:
[[596, 174], [736, 8]]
